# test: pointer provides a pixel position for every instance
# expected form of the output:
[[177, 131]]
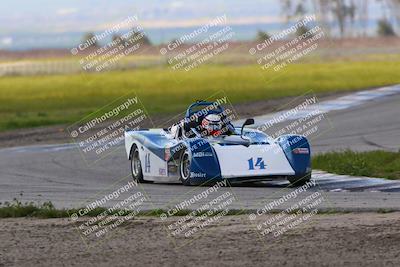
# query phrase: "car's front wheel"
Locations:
[[136, 166], [184, 168]]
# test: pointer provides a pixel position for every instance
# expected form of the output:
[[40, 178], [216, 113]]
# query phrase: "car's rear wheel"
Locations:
[[299, 180], [136, 166], [184, 168]]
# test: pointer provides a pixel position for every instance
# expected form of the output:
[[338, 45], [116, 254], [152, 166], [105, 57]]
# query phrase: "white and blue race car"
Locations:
[[205, 147]]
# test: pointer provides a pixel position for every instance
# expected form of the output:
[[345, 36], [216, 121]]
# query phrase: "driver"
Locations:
[[212, 125]]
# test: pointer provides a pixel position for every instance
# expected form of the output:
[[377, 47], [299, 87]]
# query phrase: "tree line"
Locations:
[[345, 14], [349, 18]]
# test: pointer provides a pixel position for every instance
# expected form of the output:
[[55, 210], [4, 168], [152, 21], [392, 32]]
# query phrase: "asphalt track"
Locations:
[[58, 173]]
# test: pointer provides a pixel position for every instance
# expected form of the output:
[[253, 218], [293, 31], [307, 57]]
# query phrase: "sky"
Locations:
[[64, 16], [21, 21]]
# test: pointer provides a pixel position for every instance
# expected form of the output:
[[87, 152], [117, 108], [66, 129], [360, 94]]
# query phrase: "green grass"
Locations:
[[58, 99], [17, 209], [380, 164]]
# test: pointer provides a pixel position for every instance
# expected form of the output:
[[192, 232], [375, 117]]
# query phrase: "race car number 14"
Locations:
[[259, 164]]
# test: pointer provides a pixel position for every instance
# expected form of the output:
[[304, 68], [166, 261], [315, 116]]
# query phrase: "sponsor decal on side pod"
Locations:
[[301, 150]]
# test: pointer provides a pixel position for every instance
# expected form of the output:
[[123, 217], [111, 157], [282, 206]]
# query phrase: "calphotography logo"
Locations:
[[203, 208], [278, 51], [200, 46], [301, 120], [101, 133], [114, 54], [113, 207]]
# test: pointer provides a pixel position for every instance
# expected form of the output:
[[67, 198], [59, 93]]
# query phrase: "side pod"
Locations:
[[297, 151], [203, 154]]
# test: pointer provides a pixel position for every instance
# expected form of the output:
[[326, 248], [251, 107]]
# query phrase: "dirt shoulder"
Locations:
[[364, 239], [58, 134]]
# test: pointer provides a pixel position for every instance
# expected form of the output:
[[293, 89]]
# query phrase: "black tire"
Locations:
[[136, 166], [299, 180], [184, 167]]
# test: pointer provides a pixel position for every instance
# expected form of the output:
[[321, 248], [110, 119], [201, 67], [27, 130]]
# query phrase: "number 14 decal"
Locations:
[[259, 164]]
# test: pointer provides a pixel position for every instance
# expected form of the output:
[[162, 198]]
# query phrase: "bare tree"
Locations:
[[364, 17], [394, 7], [344, 12], [343, 15], [293, 8], [322, 9]]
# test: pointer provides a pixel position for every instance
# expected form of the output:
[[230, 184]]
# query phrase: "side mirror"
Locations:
[[247, 122]]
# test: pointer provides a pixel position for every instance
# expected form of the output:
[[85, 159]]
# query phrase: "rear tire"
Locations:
[[299, 180], [184, 167], [136, 165]]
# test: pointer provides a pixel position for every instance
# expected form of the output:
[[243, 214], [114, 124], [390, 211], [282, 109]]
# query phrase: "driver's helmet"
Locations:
[[212, 124]]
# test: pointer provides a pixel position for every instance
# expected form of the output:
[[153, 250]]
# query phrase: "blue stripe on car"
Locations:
[[204, 167], [300, 163]]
